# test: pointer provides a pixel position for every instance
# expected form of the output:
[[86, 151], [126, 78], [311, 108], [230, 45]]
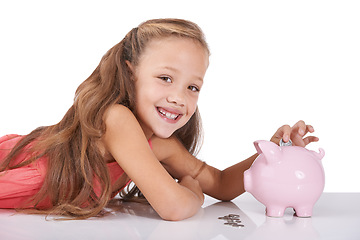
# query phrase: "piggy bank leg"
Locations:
[[304, 211], [275, 211]]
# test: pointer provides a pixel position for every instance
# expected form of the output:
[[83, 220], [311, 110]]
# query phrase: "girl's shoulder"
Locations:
[[121, 121], [121, 126], [118, 109], [118, 113]]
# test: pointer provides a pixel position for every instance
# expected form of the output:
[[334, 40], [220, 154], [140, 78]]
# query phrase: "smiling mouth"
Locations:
[[168, 115]]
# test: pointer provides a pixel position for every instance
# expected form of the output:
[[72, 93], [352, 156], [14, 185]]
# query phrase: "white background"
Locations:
[[272, 63]]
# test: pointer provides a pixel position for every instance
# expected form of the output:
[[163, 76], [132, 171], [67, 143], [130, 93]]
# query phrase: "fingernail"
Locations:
[[286, 138]]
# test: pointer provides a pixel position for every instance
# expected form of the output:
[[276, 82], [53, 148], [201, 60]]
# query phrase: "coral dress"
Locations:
[[18, 186]]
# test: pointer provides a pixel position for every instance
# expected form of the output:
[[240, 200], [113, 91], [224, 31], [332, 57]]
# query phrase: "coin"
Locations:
[[282, 143]]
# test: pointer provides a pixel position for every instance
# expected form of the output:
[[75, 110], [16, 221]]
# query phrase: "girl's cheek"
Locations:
[[195, 102]]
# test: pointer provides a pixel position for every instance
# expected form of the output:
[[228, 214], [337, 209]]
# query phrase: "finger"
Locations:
[[285, 133], [310, 129], [300, 128], [310, 139]]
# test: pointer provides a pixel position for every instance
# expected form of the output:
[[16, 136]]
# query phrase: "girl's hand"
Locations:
[[296, 134]]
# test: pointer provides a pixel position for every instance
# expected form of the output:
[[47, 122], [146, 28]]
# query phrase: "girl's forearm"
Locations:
[[232, 179]]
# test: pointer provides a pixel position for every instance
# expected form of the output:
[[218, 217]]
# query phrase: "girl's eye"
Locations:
[[194, 89], [166, 79]]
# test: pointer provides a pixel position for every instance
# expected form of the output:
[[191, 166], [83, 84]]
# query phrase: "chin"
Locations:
[[164, 134], [167, 131]]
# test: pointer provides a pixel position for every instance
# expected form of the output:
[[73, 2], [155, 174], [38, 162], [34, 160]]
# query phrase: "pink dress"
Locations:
[[18, 186]]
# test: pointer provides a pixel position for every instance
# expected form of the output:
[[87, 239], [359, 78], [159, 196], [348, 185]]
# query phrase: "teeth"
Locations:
[[168, 115]]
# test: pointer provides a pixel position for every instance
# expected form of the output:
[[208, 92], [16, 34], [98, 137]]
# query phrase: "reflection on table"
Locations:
[[335, 214]]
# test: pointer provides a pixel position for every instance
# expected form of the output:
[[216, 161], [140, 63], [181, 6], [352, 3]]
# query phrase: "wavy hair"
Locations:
[[74, 159]]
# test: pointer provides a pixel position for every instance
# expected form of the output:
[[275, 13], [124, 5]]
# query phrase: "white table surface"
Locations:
[[335, 216]]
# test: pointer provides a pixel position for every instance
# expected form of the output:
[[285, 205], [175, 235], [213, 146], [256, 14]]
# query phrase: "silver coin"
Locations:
[[282, 143]]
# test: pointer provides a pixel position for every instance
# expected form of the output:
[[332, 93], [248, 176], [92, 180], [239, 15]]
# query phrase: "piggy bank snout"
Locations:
[[247, 181]]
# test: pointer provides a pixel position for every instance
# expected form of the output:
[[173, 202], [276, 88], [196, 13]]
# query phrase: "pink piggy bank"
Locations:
[[286, 176]]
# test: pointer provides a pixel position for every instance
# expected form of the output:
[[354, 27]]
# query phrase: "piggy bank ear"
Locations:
[[270, 150]]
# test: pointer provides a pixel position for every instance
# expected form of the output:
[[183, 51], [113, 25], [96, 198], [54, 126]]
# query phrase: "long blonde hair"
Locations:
[[74, 159]]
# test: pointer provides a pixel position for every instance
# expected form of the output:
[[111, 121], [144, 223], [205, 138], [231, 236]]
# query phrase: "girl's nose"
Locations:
[[177, 97]]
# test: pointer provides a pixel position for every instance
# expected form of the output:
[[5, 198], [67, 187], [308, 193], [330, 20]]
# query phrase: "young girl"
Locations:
[[135, 117]]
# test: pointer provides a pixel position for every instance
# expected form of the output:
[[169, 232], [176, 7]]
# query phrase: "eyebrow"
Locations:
[[176, 70]]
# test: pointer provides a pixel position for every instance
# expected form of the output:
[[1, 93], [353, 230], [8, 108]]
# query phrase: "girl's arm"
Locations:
[[223, 185], [126, 142], [227, 184]]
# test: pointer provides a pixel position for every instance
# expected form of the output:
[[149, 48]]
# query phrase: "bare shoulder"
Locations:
[[122, 128], [118, 113]]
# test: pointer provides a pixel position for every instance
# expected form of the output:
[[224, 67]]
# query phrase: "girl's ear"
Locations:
[[132, 69], [130, 65]]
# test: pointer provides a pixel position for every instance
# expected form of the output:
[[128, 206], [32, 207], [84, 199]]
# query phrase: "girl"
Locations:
[[135, 118]]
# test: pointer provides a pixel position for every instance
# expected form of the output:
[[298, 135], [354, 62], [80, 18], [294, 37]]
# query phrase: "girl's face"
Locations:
[[168, 79]]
